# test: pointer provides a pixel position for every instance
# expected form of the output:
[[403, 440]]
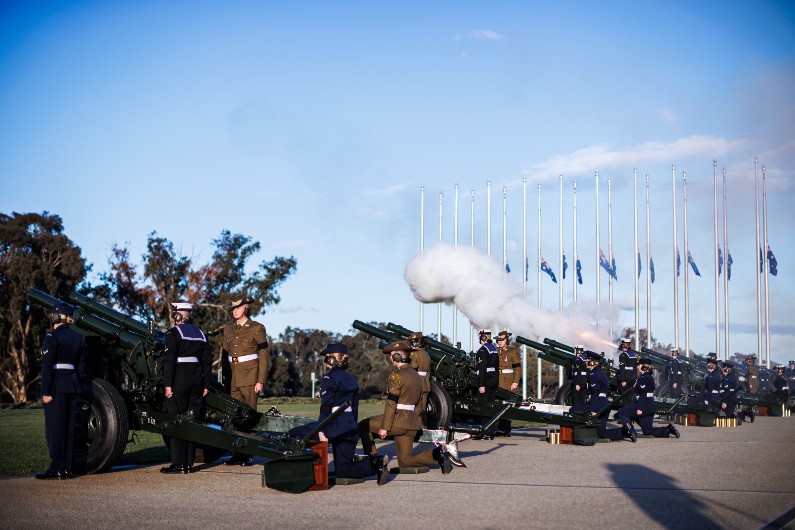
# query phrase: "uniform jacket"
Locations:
[[404, 387], [421, 361], [186, 340], [337, 387], [782, 387], [508, 358], [628, 367], [644, 393], [597, 388], [712, 387], [676, 374], [241, 340], [62, 346], [579, 372], [752, 377], [488, 362], [728, 389]]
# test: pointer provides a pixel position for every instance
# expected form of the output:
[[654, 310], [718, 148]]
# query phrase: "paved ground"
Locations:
[[740, 478]]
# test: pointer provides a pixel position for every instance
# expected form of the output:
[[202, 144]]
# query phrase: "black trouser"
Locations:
[[344, 465], [629, 413], [59, 420], [186, 397]]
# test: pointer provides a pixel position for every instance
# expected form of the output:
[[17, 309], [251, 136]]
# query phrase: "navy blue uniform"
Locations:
[[782, 388], [63, 372], [676, 376], [627, 369], [488, 364], [187, 368], [728, 394], [644, 401], [711, 394], [597, 388], [579, 377], [336, 388]]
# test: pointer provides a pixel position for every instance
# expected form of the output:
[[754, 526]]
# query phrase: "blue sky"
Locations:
[[311, 127]]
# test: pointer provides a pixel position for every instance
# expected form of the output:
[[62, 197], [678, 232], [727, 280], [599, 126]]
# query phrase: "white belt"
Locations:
[[602, 395], [650, 394], [507, 371], [754, 377], [491, 369], [64, 366], [187, 359], [401, 406], [335, 409], [423, 374], [583, 373], [715, 391], [243, 358]]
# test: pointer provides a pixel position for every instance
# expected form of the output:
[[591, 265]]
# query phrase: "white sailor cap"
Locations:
[[181, 306]]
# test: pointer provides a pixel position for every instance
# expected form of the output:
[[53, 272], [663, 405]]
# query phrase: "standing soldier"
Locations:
[[244, 356], [789, 374], [781, 386], [187, 367], [627, 365], [752, 375], [421, 361], [510, 373], [579, 377], [400, 419], [487, 363], [728, 392], [644, 408], [675, 375], [63, 372], [712, 380]]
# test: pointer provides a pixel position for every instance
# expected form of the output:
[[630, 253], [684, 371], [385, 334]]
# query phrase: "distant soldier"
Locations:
[[400, 419], [752, 375], [421, 361], [598, 387], [676, 374], [627, 365], [712, 380], [63, 373], [579, 377], [187, 368], [789, 374], [781, 385], [487, 364], [644, 408], [728, 392], [244, 358], [510, 373]]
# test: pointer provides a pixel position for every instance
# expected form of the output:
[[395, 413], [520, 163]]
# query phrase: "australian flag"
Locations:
[[720, 261], [678, 262], [651, 268], [507, 268], [638, 264], [526, 268], [692, 263], [565, 265], [729, 262], [545, 268], [613, 267], [605, 265], [761, 261], [578, 266], [772, 263]]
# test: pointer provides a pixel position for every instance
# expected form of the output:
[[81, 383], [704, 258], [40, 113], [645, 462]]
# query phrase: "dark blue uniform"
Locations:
[[781, 388], [728, 393], [187, 368], [597, 388], [579, 377], [488, 364], [63, 372], [644, 401], [676, 376], [336, 388], [711, 393], [627, 369]]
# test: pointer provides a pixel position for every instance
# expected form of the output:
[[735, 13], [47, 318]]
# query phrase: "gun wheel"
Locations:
[[440, 407], [101, 428], [563, 395]]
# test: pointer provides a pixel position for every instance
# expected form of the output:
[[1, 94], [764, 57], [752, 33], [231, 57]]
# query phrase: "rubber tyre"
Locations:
[[440, 407], [563, 395], [101, 428], [664, 390]]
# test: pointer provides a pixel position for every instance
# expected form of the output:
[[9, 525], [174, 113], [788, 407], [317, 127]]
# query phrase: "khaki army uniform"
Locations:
[[752, 378], [400, 419], [421, 361], [245, 348], [510, 367]]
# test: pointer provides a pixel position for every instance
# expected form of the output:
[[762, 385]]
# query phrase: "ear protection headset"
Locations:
[[398, 357], [332, 362]]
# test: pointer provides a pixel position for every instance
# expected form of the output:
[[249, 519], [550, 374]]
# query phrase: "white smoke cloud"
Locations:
[[489, 298]]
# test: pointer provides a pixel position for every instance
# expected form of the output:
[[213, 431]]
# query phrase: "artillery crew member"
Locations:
[[752, 375], [244, 358], [421, 361], [627, 365], [579, 377], [644, 408], [187, 367], [510, 373], [712, 381], [789, 374], [728, 392], [781, 386], [487, 364], [400, 419], [598, 387], [63, 373], [337, 388], [676, 374]]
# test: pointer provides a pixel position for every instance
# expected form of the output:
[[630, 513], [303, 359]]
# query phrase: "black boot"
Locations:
[[629, 432], [672, 430], [174, 469], [380, 466], [441, 457]]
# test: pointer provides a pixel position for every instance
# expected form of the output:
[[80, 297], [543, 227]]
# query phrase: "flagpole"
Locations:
[[636, 275], [687, 264], [598, 247], [717, 275], [610, 253], [725, 272], [758, 259], [524, 280], [576, 256], [766, 255], [560, 265], [676, 253], [422, 241], [488, 217], [648, 267], [472, 244], [455, 242], [504, 230], [538, 279], [439, 304]]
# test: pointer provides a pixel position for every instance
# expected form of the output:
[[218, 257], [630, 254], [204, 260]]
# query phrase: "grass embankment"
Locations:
[[23, 450]]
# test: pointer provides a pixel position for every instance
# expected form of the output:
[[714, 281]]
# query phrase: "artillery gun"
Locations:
[[124, 359], [453, 403]]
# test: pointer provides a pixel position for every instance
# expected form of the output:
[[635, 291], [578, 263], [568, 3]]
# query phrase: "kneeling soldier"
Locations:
[[643, 409]]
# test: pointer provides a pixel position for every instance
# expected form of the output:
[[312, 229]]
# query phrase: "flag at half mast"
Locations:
[[545, 268], [692, 263]]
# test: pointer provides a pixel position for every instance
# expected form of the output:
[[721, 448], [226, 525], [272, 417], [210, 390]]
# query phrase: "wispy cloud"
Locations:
[[482, 34], [668, 116], [602, 157], [391, 190], [293, 309]]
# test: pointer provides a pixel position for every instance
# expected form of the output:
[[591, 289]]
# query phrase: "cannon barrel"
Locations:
[[109, 314], [374, 331], [433, 343]]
